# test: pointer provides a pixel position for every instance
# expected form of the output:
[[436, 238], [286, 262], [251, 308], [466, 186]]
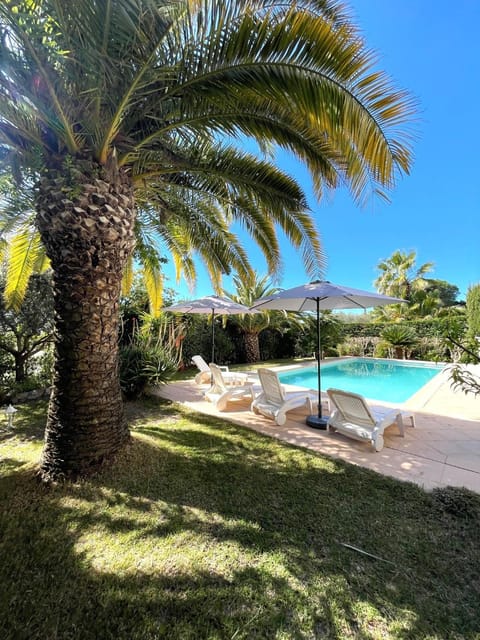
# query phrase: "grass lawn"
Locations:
[[202, 529]]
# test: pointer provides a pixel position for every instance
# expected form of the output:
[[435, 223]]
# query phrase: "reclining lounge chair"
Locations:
[[353, 417], [204, 374], [274, 402], [220, 394]]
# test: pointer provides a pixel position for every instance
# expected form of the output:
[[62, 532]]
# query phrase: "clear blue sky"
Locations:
[[431, 48]]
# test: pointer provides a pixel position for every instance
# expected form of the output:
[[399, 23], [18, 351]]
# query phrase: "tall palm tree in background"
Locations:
[[251, 325], [399, 275], [126, 119]]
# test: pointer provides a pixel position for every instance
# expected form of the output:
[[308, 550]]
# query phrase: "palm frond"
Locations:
[[23, 254], [128, 277], [154, 284]]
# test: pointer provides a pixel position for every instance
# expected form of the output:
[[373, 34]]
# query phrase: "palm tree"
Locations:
[[251, 325], [400, 277], [400, 338], [126, 117]]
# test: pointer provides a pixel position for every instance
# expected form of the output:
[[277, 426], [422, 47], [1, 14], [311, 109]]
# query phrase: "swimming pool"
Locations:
[[385, 380]]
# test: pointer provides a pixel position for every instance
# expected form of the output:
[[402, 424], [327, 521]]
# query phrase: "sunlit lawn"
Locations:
[[202, 529]]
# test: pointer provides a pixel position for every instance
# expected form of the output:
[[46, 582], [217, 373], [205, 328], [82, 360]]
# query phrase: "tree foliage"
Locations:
[[402, 278], [157, 83], [131, 116], [27, 332], [473, 311], [251, 324]]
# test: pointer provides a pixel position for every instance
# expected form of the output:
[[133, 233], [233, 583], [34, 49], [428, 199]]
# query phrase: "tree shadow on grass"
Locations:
[[219, 532]]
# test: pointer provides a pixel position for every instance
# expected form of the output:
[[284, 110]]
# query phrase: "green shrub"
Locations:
[[433, 349], [198, 340], [400, 337], [383, 350], [352, 347], [275, 345], [151, 357], [143, 364], [473, 311], [358, 346], [330, 352]]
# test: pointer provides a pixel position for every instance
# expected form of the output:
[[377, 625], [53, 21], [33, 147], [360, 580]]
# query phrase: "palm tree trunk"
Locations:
[[85, 215], [252, 347]]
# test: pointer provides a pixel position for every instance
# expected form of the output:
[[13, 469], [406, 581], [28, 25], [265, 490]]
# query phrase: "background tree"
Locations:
[[399, 275], [27, 332], [110, 109], [331, 330], [448, 293], [473, 311], [251, 325]]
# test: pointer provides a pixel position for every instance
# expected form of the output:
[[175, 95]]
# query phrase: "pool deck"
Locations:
[[443, 448]]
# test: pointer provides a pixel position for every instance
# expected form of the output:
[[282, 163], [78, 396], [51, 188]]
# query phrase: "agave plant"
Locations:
[[151, 357]]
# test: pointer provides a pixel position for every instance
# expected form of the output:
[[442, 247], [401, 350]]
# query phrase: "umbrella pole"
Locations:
[[318, 422], [213, 336]]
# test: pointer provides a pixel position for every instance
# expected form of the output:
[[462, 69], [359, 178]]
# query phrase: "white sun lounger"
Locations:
[[274, 401], [353, 417], [220, 394], [204, 374]]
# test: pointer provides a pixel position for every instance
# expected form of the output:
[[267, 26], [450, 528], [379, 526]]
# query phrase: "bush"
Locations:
[[277, 346], [400, 337], [305, 334], [383, 350], [151, 357], [143, 364], [358, 346], [473, 311], [432, 349], [198, 341]]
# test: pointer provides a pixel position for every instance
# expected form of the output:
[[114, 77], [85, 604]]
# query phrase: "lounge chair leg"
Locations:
[[400, 425], [378, 442], [309, 405]]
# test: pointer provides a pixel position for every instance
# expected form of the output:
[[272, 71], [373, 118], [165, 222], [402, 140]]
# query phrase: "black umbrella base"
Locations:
[[317, 423]]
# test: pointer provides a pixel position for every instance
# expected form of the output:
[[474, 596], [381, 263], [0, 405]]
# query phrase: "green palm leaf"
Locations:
[[24, 254]]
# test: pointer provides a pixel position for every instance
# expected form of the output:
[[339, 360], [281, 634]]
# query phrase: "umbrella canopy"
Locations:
[[317, 296], [214, 305]]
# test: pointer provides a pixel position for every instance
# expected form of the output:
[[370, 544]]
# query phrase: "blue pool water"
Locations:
[[376, 379]]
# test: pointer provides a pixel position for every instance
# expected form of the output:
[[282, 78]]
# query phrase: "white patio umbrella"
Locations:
[[214, 305], [317, 296]]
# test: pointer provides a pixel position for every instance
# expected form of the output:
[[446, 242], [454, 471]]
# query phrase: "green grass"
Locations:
[[202, 529]]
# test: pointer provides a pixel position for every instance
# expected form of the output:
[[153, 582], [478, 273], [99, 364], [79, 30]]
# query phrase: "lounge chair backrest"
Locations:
[[352, 407], [218, 382], [200, 363], [271, 386]]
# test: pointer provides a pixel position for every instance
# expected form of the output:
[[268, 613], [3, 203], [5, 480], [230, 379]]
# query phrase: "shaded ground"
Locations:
[[203, 529]]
